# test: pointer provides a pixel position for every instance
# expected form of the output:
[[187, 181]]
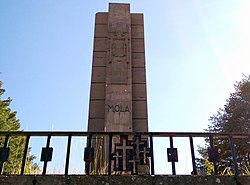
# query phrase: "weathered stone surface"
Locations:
[[118, 102], [138, 60], [98, 74], [139, 75], [137, 45], [139, 92], [96, 109], [124, 180], [101, 18], [137, 31], [140, 125], [140, 109], [137, 19], [98, 90], [101, 30], [99, 59], [96, 125], [100, 44]]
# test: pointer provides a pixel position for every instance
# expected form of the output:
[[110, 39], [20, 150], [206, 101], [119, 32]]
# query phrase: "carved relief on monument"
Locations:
[[119, 59], [119, 48]]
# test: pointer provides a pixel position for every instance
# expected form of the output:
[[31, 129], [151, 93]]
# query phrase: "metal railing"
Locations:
[[46, 154]]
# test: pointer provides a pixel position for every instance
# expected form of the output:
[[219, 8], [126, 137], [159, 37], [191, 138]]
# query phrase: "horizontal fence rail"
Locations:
[[124, 156]]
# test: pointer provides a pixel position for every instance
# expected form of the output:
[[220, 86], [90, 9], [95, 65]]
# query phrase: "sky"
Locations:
[[195, 51]]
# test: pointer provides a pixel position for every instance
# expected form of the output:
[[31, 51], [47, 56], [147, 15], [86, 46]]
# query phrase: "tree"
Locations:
[[233, 118], [9, 122]]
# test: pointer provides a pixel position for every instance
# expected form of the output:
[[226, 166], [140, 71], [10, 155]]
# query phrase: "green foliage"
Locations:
[[9, 122], [233, 118]]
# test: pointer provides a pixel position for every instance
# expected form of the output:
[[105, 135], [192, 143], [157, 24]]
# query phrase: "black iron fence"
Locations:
[[127, 148]]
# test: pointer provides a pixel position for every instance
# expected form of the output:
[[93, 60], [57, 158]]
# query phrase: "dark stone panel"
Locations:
[[138, 59], [140, 125], [138, 75], [97, 91], [101, 30], [96, 109], [137, 18], [137, 31], [100, 44], [139, 92], [140, 109], [99, 58], [98, 74], [96, 125], [137, 45], [101, 18]]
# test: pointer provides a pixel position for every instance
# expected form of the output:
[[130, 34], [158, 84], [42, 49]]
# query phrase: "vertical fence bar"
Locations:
[[87, 164], [193, 155], [152, 155], [4, 146], [173, 163], [110, 153], [67, 156], [211, 140], [236, 168], [25, 154], [46, 162]]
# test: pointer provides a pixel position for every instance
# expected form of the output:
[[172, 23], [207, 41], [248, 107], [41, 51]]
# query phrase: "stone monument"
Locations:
[[118, 97]]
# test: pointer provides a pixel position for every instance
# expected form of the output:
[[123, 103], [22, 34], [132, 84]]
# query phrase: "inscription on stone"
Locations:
[[118, 108]]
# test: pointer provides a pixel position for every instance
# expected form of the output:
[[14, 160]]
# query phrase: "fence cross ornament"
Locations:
[[137, 143], [145, 152], [124, 147], [116, 157]]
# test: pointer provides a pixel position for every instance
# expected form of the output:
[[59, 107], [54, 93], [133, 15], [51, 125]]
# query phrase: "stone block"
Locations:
[[139, 75], [137, 31], [138, 59], [96, 125], [140, 109], [123, 179], [97, 91], [101, 30], [99, 74], [137, 45], [137, 18], [96, 109], [139, 92], [119, 9], [101, 18], [99, 58], [140, 125], [100, 44]]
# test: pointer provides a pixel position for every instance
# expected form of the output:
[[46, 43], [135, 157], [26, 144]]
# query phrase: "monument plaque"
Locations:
[[118, 97]]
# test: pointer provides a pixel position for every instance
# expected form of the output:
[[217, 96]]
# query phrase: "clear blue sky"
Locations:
[[195, 51]]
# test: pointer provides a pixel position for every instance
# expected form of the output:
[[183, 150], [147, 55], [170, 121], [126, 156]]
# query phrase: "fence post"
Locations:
[[110, 153], [68, 155], [173, 163], [234, 155], [152, 155], [25, 154], [46, 162], [193, 155], [87, 164], [212, 145]]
